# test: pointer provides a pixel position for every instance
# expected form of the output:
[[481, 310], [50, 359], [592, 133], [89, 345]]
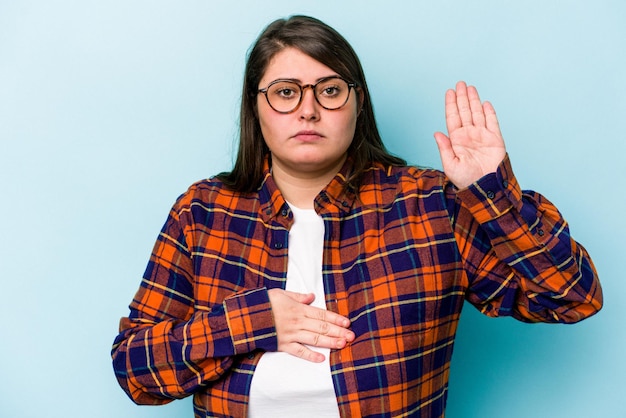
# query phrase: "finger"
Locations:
[[324, 341], [453, 120], [462, 103], [478, 116], [491, 119], [328, 317], [338, 332], [300, 347], [302, 351], [319, 329], [323, 329]]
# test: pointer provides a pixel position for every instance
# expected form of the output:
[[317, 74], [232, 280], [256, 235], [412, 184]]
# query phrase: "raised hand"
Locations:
[[299, 325], [474, 145]]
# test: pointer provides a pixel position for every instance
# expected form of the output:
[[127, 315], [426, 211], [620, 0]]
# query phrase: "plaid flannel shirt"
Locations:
[[399, 260]]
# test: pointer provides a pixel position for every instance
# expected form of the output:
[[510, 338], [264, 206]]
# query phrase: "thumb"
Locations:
[[306, 298], [444, 144], [445, 147]]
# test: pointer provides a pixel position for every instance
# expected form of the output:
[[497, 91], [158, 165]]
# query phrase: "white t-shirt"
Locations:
[[284, 385]]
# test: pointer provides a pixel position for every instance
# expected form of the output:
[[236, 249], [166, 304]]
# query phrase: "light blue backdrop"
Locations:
[[109, 110]]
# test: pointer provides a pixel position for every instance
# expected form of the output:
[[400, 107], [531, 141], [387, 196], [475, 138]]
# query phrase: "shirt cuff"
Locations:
[[251, 322], [493, 195]]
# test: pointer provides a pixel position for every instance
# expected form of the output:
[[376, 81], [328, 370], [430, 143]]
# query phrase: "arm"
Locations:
[[167, 348], [519, 256]]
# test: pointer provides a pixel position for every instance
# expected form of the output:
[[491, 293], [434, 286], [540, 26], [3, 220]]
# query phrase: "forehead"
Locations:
[[291, 63]]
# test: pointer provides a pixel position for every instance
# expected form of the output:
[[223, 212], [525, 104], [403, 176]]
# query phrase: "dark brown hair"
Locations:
[[323, 44]]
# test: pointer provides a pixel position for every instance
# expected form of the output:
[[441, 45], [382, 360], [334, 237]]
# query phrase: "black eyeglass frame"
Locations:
[[351, 85]]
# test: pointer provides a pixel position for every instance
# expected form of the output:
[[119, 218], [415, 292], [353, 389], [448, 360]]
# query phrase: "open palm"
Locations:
[[474, 145]]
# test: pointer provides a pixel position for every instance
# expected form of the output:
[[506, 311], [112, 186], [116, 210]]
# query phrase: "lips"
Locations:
[[308, 135]]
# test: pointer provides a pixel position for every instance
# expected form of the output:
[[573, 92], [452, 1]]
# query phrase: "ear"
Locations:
[[361, 98]]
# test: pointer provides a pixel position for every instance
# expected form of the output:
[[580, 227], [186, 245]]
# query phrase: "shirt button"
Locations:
[[505, 184], [284, 212], [268, 211], [540, 232], [491, 194], [278, 245]]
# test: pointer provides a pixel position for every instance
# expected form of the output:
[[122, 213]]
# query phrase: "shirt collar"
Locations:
[[336, 196]]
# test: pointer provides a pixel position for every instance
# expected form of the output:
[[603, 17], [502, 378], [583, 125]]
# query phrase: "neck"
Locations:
[[300, 189]]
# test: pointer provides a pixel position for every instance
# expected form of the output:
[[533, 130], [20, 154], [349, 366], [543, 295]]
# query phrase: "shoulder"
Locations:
[[403, 179], [211, 193], [410, 189]]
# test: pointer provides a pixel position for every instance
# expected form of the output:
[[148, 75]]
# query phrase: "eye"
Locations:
[[331, 88], [285, 91], [331, 91]]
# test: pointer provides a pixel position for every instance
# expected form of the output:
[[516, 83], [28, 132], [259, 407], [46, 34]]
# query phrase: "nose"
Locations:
[[309, 107]]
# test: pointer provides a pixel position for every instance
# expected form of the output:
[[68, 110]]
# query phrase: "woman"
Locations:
[[324, 277]]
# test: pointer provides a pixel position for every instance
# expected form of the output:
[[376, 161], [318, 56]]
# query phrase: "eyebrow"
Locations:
[[297, 80]]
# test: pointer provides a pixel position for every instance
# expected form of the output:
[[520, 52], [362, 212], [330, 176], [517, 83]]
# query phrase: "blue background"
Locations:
[[109, 110]]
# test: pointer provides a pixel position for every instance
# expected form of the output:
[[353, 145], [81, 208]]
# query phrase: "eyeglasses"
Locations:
[[285, 96]]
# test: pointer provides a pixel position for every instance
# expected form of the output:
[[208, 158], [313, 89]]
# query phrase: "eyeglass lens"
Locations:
[[285, 96]]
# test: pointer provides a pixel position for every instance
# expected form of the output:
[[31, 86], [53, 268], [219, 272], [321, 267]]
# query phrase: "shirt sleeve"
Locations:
[[519, 256], [167, 347]]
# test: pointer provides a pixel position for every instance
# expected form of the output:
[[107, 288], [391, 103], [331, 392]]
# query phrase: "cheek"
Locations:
[[349, 125], [353, 115], [267, 122]]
